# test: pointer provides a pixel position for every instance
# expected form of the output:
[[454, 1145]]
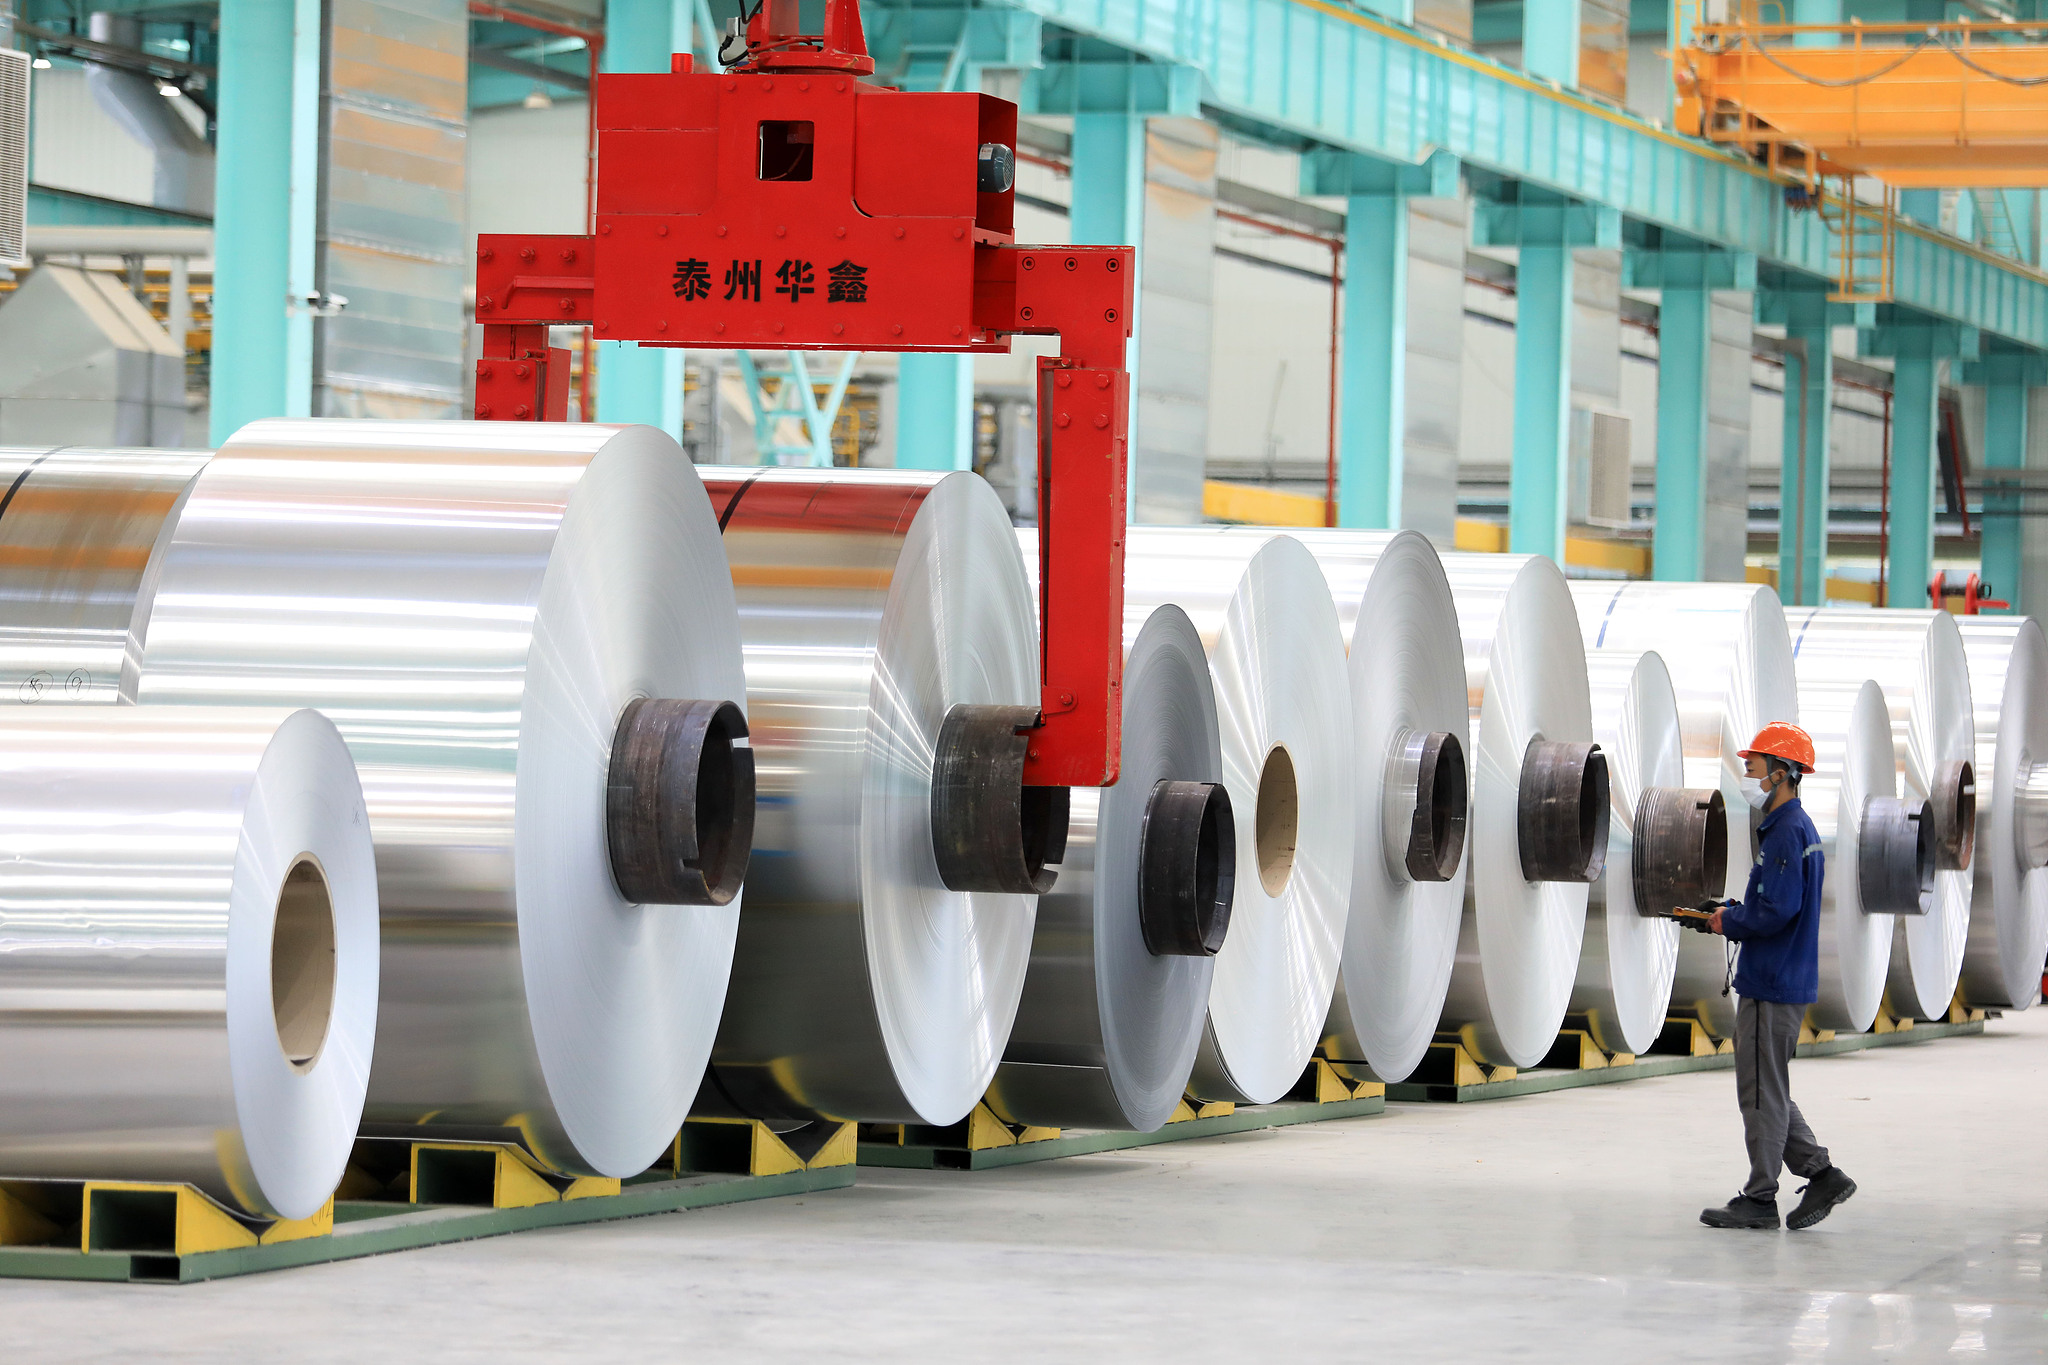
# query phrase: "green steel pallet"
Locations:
[[368, 1228], [1919, 1033], [1076, 1142], [1539, 1081]]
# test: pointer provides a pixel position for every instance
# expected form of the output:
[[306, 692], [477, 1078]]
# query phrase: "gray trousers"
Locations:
[[1766, 1035]]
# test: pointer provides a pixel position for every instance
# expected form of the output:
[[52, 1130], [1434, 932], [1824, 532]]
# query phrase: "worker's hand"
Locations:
[[1714, 921]]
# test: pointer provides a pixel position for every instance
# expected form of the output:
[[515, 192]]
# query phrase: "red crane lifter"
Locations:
[[789, 202]]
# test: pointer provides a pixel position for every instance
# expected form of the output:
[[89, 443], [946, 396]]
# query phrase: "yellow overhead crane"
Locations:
[[1948, 105]]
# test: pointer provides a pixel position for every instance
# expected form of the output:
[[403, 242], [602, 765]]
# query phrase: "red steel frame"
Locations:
[[790, 203]]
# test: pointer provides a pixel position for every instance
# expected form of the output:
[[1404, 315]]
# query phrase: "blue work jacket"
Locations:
[[1777, 921]]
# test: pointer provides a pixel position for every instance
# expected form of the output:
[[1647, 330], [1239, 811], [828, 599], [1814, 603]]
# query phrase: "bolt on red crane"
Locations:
[[790, 202]]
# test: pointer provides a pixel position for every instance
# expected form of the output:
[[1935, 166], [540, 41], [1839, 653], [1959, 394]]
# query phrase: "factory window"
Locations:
[[786, 149]]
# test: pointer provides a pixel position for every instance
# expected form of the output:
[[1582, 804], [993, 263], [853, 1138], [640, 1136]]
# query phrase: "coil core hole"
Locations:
[[1955, 816], [1562, 815], [1187, 860], [302, 963], [1276, 820]]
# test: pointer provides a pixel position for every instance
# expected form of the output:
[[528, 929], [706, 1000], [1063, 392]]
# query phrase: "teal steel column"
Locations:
[[1537, 480], [634, 383], [1109, 180], [1803, 466], [1109, 210], [1684, 347], [935, 411], [1916, 392], [265, 207], [1550, 40], [1922, 206], [1815, 12], [2005, 448], [1373, 362], [934, 390]]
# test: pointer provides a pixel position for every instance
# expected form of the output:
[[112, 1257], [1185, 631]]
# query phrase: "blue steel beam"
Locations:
[[1687, 276], [1372, 376], [265, 208], [1545, 228], [1918, 347], [2008, 378], [1916, 404], [1373, 372], [636, 383], [1802, 307], [1310, 71], [1806, 455], [944, 47], [1550, 40], [1539, 476]]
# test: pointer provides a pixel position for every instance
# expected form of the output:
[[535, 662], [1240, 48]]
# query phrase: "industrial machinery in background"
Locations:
[[1912, 105], [790, 202]]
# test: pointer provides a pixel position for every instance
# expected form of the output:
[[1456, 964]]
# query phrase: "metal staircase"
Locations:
[[1996, 230], [1863, 240]]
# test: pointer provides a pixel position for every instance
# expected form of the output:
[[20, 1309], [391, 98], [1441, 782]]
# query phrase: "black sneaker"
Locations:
[[1820, 1195], [1743, 1212]]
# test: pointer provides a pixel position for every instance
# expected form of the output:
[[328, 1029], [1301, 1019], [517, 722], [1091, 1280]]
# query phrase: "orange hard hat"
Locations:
[[1782, 739]]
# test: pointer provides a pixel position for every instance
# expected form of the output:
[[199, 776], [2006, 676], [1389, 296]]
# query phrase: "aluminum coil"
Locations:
[[2009, 925], [1628, 957], [1917, 658], [1106, 1032], [1276, 653], [81, 532], [1525, 679], [871, 602], [1407, 680], [1730, 659], [1852, 748], [188, 950], [474, 604]]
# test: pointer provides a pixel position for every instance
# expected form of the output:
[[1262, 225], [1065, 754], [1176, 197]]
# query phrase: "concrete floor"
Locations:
[[1554, 1227]]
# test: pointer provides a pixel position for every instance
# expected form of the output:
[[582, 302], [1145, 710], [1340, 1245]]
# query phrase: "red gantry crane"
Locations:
[[790, 201]]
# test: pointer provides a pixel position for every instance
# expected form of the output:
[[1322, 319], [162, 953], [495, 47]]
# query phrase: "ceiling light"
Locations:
[[169, 91], [41, 63], [538, 98]]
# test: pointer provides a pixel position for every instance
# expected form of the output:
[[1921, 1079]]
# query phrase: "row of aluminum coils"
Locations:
[[442, 749]]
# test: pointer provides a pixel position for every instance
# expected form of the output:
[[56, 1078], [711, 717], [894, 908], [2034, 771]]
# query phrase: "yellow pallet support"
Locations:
[[396, 1195], [158, 1216]]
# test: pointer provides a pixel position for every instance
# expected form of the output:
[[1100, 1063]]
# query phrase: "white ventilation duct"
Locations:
[[184, 163]]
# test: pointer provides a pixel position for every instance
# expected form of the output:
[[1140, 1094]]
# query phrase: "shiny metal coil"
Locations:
[[1106, 1032], [1407, 679], [1917, 658], [80, 532], [1628, 957], [1853, 762], [474, 604], [871, 602], [1276, 653], [188, 950], [2009, 908], [1525, 679], [1730, 659]]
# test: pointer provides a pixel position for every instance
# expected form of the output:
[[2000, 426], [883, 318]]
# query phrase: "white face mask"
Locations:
[[1755, 792]]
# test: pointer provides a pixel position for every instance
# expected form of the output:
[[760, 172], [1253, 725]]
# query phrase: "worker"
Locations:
[[1777, 975]]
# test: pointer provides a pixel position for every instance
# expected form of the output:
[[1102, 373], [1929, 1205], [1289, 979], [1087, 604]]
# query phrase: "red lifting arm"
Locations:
[[789, 203]]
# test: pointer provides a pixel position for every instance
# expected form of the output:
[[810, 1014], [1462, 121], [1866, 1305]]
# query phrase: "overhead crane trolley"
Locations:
[[792, 201]]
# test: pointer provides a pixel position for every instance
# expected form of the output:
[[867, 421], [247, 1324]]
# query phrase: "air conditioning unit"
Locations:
[[1599, 468], [14, 69]]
